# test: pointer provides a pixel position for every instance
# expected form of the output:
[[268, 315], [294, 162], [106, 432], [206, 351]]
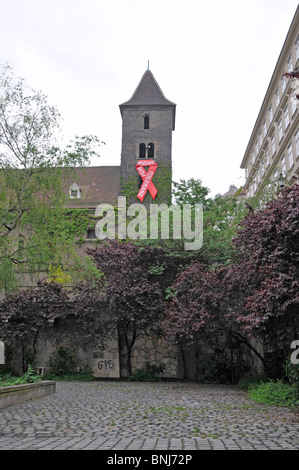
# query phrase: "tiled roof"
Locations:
[[98, 184]]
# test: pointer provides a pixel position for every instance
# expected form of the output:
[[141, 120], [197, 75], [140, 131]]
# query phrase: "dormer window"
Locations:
[[75, 191]]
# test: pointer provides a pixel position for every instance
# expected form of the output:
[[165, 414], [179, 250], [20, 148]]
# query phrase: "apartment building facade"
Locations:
[[273, 149]]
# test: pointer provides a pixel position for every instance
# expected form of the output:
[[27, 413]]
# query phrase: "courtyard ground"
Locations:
[[108, 415]]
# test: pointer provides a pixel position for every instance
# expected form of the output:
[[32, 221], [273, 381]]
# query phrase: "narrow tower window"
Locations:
[[150, 150], [141, 150], [146, 122]]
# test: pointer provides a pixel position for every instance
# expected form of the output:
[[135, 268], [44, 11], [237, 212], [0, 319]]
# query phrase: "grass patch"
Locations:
[[271, 392], [275, 393]]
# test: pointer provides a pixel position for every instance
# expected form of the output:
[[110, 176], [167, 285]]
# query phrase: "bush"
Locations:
[[61, 362], [85, 374], [214, 368], [251, 381], [292, 372], [150, 374], [29, 359], [142, 375], [10, 379], [30, 376], [274, 393]]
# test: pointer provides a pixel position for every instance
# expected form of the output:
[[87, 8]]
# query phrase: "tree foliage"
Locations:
[[28, 313], [257, 294], [221, 222], [267, 270], [33, 169], [23, 315], [133, 285], [221, 218], [190, 192]]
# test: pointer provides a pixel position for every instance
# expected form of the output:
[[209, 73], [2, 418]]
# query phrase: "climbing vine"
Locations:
[[162, 181], [78, 221]]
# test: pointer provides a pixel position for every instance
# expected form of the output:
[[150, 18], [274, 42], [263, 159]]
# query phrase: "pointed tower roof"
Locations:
[[148, 93]]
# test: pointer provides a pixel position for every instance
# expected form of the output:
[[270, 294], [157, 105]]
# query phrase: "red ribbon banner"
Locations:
[[147, 183]]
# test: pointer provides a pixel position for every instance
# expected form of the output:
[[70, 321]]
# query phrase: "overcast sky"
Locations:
[[214, 59]]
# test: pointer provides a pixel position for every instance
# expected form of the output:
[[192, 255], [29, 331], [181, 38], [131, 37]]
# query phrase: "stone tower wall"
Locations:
[[133, 133]]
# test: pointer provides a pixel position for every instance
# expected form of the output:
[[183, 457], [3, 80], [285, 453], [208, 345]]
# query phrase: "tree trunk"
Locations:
[[129, 346], [241, 339], [183, 362]]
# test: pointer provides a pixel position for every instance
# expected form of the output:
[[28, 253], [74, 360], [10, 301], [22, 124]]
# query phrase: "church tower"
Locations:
[[148, 119]]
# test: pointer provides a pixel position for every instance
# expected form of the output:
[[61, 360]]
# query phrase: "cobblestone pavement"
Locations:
[[147, 416]]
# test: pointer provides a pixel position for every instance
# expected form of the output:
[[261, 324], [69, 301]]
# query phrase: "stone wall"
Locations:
[[15, 394], [133, 133], [154, 351], [111, 361]]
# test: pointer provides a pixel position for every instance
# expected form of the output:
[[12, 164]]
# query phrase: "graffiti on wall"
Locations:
[[105, 363]]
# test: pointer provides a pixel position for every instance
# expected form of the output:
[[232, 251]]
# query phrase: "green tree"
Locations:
[[190, 192], [33, 170], [221, 222], [221, 219]]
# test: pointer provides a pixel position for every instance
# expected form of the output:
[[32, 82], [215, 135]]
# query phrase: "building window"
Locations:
[[293, 104], [75, 192], [254, 185], [21, 243], [267, 159], [270, 113], [273, 144], [297, 48], [91, 233], [252, 157], [286, 117], [280, 133], [141, 150], [297, 142], [258, 176], [283, 84], [265, 127], [290, 64], [283, 165], [260, 138], [290, 155], [146, 122], [150, 150], [277, 99], [21, 246]]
